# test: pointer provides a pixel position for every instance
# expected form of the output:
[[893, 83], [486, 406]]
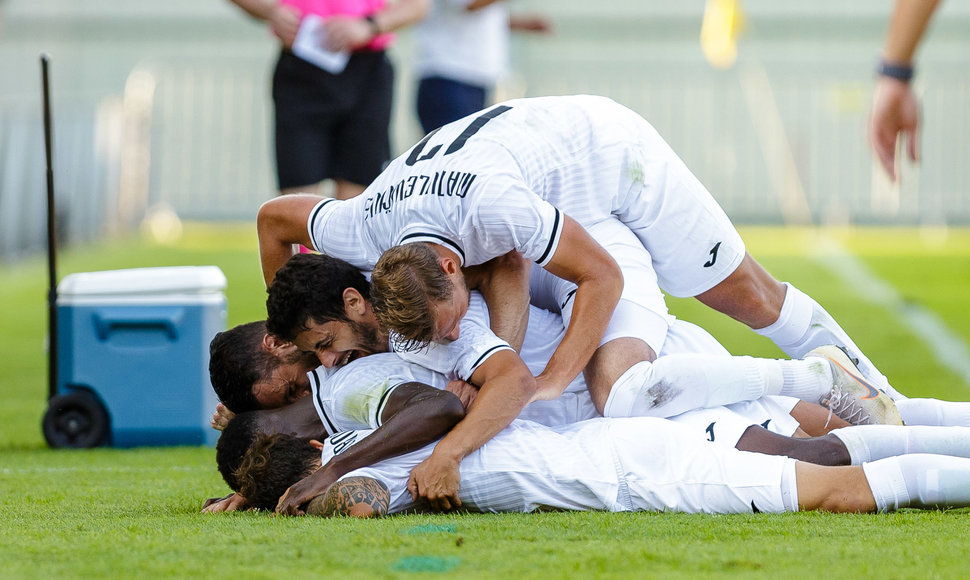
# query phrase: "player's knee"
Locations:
[[609, 364]]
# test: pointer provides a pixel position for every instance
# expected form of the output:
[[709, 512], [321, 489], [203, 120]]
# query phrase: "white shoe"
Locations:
[[852, 397]]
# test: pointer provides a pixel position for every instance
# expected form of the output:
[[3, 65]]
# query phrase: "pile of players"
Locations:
[[511, 349]]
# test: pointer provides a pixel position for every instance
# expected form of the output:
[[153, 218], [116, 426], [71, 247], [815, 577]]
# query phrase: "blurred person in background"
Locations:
[[333, 124], [463, 48], [895, 109]]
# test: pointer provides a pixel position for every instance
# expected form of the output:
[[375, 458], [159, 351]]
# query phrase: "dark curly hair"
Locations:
[[237, 361], [233, 444], [271, 465], [310, 287]]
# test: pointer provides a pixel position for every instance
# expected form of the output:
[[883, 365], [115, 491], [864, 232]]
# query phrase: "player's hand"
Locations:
[[895, 113], [231, 503], [346, 33], [466, 392], [436, 479], [221, 417], [285, 22], [547, 390], [300, 493]]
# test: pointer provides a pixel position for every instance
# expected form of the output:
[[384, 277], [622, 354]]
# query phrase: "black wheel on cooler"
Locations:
[[75, 420]]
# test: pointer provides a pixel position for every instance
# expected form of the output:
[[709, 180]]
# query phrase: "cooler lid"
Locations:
[[144, 281]]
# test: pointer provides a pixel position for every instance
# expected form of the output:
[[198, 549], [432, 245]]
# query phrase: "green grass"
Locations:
[[120, 513]]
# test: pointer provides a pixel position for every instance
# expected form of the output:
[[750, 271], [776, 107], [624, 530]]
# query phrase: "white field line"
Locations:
[[951, 350]]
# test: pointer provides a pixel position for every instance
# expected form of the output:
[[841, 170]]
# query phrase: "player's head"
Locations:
[[271, 464], [419, 294], [234, 442], [322, 305], [247, 376]]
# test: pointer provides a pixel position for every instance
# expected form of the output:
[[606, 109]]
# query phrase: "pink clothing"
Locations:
[[344, 8]]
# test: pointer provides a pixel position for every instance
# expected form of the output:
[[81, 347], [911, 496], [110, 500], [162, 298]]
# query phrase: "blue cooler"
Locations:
[[136, 342]]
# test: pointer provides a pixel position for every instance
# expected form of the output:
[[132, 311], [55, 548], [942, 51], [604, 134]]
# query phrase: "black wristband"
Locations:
[[894, 70], [374, 28]]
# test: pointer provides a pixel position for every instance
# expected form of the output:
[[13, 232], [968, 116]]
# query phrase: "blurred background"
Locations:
[[162, 109]]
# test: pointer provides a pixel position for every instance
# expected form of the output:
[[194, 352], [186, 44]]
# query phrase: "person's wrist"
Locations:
[[447, 453], [375, 28], [901, 71]]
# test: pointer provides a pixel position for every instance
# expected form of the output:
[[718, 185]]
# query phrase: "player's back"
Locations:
[[565, 149]]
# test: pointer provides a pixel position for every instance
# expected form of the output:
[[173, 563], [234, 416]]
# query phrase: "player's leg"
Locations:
[[872, 442], [694, 371], [855, 445], [815, 420], [789, 317], [605, 371], [825, 450], [676, 383], [920, 480], [749, 295], [833, 489], [851, 396], [623, 378], [698, 252], [665, 465], [934, 412]]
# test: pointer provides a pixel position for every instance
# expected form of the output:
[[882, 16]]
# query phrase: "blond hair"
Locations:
[[406, 284]]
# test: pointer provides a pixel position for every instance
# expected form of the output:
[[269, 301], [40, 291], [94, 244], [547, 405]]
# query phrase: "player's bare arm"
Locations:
[[281, 223], [599, 282], [414, 416], [506, 387], [895, 108], [359, 497], [504, 283]]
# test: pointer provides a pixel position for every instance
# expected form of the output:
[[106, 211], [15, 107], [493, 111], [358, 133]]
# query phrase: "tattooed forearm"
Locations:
[[361, 497]]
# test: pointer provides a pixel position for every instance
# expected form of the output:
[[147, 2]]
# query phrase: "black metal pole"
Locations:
[[51, 239]]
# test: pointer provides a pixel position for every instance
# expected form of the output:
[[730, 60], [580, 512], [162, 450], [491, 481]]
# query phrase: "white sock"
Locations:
[[872, 442], [934, 412], [803, 325], [677, 383], [809, 379], [919, 480]]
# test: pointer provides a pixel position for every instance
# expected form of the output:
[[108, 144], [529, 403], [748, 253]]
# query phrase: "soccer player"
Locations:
[[320, 303], [602, 464], [361, 394], [250, 370], [527, 176]]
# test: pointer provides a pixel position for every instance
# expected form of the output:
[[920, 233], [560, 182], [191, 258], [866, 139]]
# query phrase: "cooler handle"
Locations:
[[107, 321]]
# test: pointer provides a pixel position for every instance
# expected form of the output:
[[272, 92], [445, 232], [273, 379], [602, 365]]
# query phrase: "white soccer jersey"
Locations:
[[500, 181], [631, 464], [476, 343], [354, 396], [459, 359]]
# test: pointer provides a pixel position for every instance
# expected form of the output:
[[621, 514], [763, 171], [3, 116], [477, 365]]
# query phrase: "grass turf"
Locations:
[[111, 512]]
